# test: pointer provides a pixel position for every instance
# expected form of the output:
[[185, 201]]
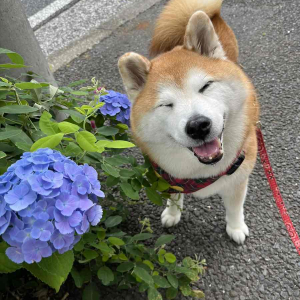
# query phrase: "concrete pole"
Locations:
[[17, 35]]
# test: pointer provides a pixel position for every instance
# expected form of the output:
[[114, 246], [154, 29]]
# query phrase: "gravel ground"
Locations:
[[267, 266]]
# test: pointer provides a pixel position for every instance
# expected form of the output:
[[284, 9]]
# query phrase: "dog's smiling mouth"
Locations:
[[209, 152]]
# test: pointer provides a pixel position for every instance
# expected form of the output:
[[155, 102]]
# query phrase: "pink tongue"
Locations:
[[208, 149]]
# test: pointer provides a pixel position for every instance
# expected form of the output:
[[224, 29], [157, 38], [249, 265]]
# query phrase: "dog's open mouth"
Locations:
[[210, 152]]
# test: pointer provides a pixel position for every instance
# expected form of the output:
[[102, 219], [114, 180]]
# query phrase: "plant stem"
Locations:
[[17, 97], [84, 153]]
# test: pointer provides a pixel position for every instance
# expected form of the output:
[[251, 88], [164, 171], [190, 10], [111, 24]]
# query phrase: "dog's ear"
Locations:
[[134, 69], [200, 36]]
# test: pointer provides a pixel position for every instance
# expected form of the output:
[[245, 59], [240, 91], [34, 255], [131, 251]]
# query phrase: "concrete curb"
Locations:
[[60, 48], [49, 12]]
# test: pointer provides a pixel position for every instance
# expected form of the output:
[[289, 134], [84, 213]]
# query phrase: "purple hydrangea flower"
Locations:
[[20, 196], [5, 221], [35, 250], [94, 214], [47, 202], [116, 104]]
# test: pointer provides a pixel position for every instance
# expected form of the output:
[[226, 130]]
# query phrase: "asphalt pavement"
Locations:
[[267, 266]]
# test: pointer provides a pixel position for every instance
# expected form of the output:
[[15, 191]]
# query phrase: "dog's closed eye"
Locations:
[[166, 105], [206, 85]]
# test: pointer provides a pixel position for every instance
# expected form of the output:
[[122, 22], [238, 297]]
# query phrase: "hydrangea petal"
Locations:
[[15, 254]]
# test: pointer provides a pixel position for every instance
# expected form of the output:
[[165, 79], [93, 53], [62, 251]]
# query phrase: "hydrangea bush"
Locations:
[[47, 202], [51, 223], [116, 104]]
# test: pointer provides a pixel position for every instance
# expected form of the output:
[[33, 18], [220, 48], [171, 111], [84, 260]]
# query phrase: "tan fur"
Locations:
[[173, 66], [171, 25], [191, 36]]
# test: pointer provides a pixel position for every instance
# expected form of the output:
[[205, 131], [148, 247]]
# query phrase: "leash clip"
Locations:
[[258, 125]]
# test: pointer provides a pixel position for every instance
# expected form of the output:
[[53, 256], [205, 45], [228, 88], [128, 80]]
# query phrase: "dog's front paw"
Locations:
[[238, 233], [170, 218]]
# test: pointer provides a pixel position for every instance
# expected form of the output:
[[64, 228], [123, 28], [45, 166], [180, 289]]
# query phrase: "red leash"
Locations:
[[275, 190]]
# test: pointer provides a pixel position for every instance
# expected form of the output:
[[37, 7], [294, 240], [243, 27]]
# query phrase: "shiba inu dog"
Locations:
[[194, 110]]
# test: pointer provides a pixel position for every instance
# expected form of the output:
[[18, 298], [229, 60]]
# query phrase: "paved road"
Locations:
[[267, 266], [32, 6]]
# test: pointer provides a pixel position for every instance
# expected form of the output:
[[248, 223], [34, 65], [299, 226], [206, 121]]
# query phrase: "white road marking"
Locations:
[[47, 12]]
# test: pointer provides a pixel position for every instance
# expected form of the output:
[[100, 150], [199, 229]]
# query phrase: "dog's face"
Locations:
[[186, 99]]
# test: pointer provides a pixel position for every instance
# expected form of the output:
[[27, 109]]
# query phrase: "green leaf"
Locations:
[[191, 274], [171, 293], [4, 84], [79, 93], [154, 294], [129, 191], [142, 236], [76, 116], [90, 254], [119, 144], [50, 141], [21, 138], [67, 127], [58, 264], [170, 257], [164, 239], [188, 262], [127, 173], [13, 56], [111, 181], [86, 141], [76, 83], [72, 150], [77, 278], [6, 265], [173, 280], [122, 126], [12, 66], [102, 143], [162, 185], [117, 160], [53, 270], [154, 197], [105, 248], [8, 134], [113, 221], [149, 264], [110, 170], [51, 280], [46, 125], [143, 274], [28, 85], [186, 290], [108, 130], [116, 241], [125, 267], [91, 292], [2, 154], [17, 109], [161, 282], [197, 294], [106, 275]]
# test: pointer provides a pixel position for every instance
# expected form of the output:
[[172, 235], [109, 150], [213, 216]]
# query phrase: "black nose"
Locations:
[[198, 128]]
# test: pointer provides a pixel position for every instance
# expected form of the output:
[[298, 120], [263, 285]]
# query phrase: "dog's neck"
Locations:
[[187, 185]]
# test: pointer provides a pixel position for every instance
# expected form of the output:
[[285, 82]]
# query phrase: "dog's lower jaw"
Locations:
[[172, 213]]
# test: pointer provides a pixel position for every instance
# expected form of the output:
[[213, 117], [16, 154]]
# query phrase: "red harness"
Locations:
[[188, 186]]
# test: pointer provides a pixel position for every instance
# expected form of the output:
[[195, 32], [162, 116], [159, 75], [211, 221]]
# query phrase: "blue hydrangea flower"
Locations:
[[47, 202], [116, 104]]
